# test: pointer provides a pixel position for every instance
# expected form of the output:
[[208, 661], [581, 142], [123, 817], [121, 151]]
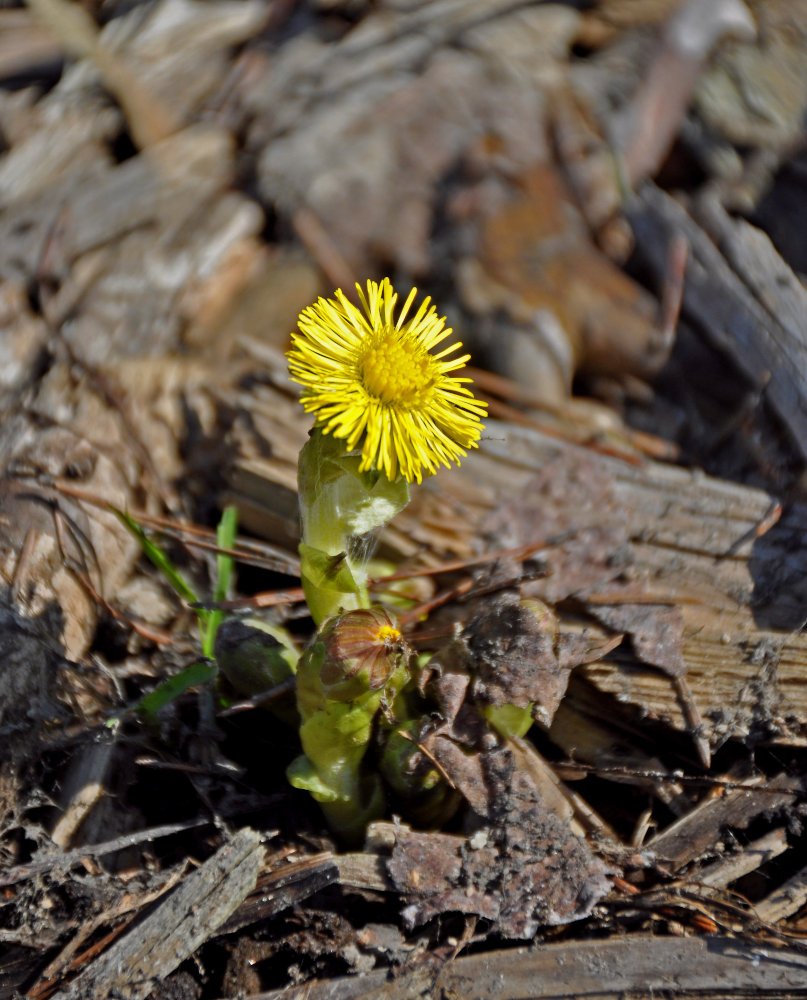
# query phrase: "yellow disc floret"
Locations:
[[374, 381], [396, 374], [388, 634]]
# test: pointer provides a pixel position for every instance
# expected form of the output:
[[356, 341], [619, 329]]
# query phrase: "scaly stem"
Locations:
[[338, 507]]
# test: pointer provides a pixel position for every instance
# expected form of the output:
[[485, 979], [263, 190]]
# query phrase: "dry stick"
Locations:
[[247, 550], [630, 965], [672, 293], [260, 699], [267, 599], [429, 756], [62, 860], [322, 248], [505, 412], [639, 595], [461, 589], [762, 527], [295, 595], [44, 989], [22, 562], [577, 768], [652, 119], [142, 628], [469, 586], [90, 773], [518, 553], [251, 552], [62, 525], [81, 574], [492, 384], [693, 719], [64, 961]]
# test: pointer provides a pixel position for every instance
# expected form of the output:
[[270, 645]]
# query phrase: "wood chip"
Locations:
[[771, 355], [758, 852], [699, 831], [785, 900], [135, 964], [631, 965]]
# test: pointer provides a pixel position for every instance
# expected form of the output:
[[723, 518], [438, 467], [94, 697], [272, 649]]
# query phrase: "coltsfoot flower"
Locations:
[[373, 381]]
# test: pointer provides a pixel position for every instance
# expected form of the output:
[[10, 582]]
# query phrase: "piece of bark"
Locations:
[[707, 967], [535, 256], [572, 497], [645, 131], [609, 741], [755, 259], [770, 354], [159, 65], [704, 545], [31, 669], [588, 552], [512, 654], [571, 808], [282, 887], [699, 831], [82, 787], [364, 871], [750, 856], [657, 634], [53, 551], [785, 900], [119, 254], [180, 187], [411, 91], [137, 962], [523, 869], [754, 94], [25, 46], [23, 346], [63, 145]]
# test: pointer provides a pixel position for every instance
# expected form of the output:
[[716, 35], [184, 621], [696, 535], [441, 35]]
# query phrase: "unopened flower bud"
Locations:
[[360, 651]]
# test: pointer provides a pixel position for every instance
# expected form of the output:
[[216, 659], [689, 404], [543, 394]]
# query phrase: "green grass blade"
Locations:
[[225, 564], [225, 538], [196, 673], [160, 559]]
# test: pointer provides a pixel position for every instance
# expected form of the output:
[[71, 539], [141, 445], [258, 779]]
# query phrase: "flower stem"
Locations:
[[339, 509]]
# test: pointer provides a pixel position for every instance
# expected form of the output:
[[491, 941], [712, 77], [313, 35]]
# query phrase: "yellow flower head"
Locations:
[[371, 378]]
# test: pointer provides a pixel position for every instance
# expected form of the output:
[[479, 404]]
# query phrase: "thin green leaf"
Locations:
[[225, 564], [196, 673], [225, 538], [158, 557]]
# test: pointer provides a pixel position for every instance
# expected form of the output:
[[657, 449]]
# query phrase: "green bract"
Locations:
[[340, 507], [356, 665]]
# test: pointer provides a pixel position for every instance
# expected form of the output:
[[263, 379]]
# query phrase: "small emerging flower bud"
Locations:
[[360, 651]]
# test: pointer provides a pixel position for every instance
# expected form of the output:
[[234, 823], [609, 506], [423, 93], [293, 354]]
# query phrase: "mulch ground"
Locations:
[[606, 200]]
